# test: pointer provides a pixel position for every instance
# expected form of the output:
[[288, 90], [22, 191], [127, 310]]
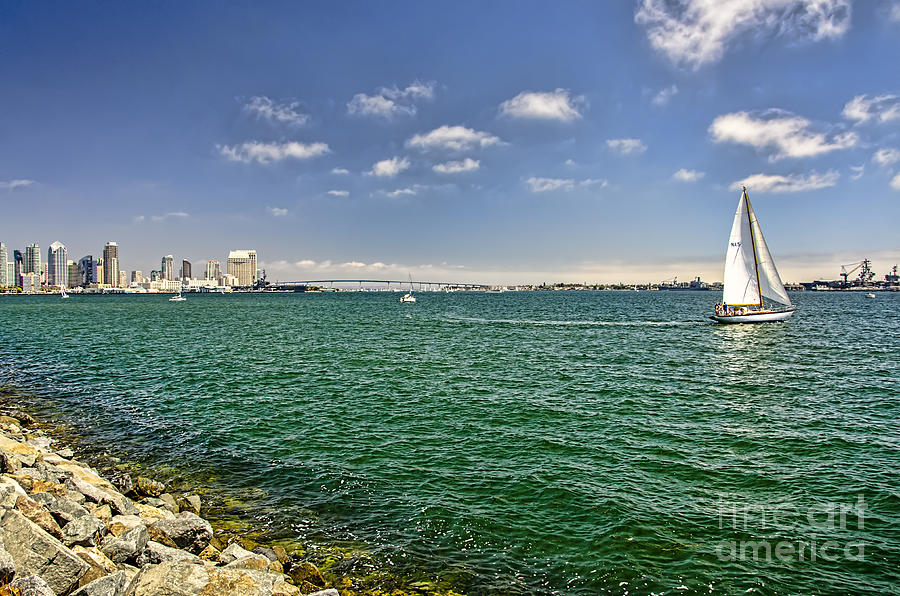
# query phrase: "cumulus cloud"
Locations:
[[791, 183], [685, 175], [626, 146], [664, 95], [266, 153], [390, 102], [543, 105], [453, 138], [895, 183], [784, 134], [455, 167], [278, 113], [692, 33], [886, 157], [339, 193], [858, 171], [276, 211], [161, 218], [536, 184], [388, 168], [403, 192], [881, 108], [14, 184], [340, 171]]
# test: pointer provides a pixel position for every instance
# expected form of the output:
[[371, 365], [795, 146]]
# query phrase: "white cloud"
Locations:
[[895, 183], [894, 15], [538, 105], [340, 171], [265, 153], [455, 167], [401, 192], [389, 102], [881, 108], [14, 184], [536, 184], [161, 218], [626, 146], [858, 171], [790, 183], [453, 138], [886, 157], [277, 211], [688, 175], [663, 97], [138, 219], [692, 33], [785, 134], [339, 193], [279, 113], [570, 163], [388, 168]]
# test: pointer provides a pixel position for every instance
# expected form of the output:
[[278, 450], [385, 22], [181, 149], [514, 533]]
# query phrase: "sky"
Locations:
[[493, 142]]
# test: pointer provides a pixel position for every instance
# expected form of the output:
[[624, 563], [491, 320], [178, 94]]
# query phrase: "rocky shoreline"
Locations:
[[67, 530]]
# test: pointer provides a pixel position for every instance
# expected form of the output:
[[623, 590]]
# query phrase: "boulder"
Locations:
[[35, 552], [328, 592], [10, 420], [254, 562], [36, 513], [281, 554], [85, 531], [233, 552], [9, 463], [40, 443], [102, 512], [210, 553], [126, 547], [32, 586], [190, 503], [120, 524], [123, 482], [183, 578], [100, 565], [306, 572], [65, 453], [18, 448], [148, 488], [160, 553], [10, 490], [63, 509], [169, 502], [113, 584], [150, 514], [187, 530], [7, 565]]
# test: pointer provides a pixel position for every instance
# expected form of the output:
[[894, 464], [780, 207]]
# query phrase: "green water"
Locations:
[[569, 442]]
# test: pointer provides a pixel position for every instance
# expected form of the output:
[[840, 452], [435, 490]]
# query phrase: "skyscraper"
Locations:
[[111, 264], [4, 258], [57, 274], [87, 270], [19, 267], [186, 269], [72, 277], [32, 263], [137, 276], [167, 267], [242, 265], [213, 271]]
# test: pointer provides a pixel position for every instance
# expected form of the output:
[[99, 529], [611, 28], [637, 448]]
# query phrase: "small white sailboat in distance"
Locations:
[[750, 274], [408, 297], [62, 292], [179, 297]]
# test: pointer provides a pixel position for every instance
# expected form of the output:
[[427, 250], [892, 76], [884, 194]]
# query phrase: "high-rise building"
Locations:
[[213, 271], [31, 282], [87, 270], [155, 275], [11, 274], [111, 264], [4, 259], [19, 267], [167, 267], [242, 265], [57, 273], [32, 263], [186, 269], [73, 279], [123, 279], [137, 276]]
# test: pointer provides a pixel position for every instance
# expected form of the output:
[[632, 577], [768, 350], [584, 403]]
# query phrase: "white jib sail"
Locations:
[[769, 281], [740, 282]]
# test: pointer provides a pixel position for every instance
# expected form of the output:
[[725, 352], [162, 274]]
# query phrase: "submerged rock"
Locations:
[[187, 530], [35, 552], [307, 572], [148, 488]]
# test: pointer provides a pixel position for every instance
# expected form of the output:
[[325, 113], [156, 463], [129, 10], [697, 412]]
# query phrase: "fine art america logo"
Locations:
[[828, 532]]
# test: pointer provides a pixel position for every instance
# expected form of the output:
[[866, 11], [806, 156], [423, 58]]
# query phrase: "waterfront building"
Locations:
[[242, 265], [111, 264], [99, 277], [155, 275], [57, 258], [87, 271], [19, 264], [137, 277], [4, 259], [123, 279], [11, 274], [167, 268], [31, 282], [72, 275], [213, 270], [186, 272], [44, 273], [32, 262]]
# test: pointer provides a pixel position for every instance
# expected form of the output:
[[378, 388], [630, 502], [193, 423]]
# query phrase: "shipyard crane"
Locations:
[[865, 275]]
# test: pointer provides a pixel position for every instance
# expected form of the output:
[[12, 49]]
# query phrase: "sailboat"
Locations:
[[750, 274], [408, 297], [62, 292], [179, 297]]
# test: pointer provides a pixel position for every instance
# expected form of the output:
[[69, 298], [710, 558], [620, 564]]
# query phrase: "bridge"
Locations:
[[429, 285]]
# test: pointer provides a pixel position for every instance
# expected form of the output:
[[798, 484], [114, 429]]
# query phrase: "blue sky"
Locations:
[[498, 142]]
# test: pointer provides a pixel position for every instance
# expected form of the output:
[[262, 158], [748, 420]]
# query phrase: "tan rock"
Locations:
[[100, 565], [17, 447], [120, 524], [150, 514], [101, 512], [306, 572], [210, 553], [281, 553], [40, 516]]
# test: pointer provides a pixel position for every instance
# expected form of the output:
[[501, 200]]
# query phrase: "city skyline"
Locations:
[[612, 149]]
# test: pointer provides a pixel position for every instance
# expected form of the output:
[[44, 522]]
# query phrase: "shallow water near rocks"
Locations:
[[569, 442]]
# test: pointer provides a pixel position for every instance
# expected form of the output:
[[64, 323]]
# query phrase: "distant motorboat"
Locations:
[[177, 298], [750, 274], [870, 295]]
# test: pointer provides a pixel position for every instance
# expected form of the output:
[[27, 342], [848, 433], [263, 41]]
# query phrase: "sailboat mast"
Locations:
[[753, 244]]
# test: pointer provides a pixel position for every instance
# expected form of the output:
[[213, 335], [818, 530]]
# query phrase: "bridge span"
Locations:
[[430, 285]]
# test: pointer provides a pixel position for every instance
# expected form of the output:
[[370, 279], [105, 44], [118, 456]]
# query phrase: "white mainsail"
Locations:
[[750, 272]]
